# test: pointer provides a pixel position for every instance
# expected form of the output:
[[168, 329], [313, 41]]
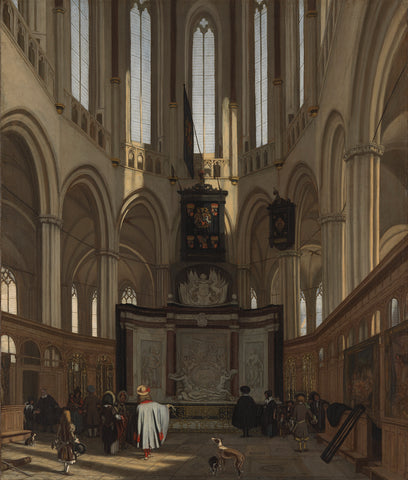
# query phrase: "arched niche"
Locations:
[[20, 229]]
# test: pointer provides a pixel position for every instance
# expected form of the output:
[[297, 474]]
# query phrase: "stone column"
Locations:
[[244, 297], [108, 292], [289, 268], [234, 359], [310, 297], [363, 211], [333, 278], [311, 48], [234, 173], [51, 270], [60, 59], [171, 360]]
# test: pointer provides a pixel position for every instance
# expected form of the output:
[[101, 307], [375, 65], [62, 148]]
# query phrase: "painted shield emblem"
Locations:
[[202, 217], [214, 209]]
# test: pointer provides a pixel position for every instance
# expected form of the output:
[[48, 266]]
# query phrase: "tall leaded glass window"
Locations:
[[319, 305], [129, 296], [301, 17], [8, 291], [203, 87], [74, 310], [80, 51], [261, 73], [140, 73], [302, 314], [94, 313]]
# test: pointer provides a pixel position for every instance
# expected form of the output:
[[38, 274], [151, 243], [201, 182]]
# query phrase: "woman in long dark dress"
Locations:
[[244, 415]]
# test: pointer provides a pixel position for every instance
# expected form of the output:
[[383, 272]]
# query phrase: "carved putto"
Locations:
[[203, 290]]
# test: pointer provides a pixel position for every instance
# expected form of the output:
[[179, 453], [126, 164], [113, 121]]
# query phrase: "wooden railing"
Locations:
[[28, 46]]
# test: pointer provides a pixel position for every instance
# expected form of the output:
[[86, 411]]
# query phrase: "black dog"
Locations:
[[214, 464], [30, 441]]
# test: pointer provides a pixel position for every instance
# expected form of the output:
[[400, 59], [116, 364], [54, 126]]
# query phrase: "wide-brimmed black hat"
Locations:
[[245, 389]]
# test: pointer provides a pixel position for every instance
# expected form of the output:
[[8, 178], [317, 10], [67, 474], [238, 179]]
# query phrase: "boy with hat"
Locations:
[[152, 422], [301, 413]]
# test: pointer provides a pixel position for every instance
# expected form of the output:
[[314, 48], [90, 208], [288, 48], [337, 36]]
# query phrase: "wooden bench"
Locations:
[[14, 436], [12, 424], [381, 473]]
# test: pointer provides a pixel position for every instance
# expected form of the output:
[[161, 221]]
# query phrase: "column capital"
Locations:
[[115, 81], [171, 327], [234, 328], [288, 253], [332, 218], [108, 253], [51, 220], [59, 10], [370, 148]]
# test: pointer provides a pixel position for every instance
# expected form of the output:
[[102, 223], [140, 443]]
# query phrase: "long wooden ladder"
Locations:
[[341, 434]]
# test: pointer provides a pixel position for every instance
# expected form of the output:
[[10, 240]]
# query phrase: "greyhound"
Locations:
[[224, 453]]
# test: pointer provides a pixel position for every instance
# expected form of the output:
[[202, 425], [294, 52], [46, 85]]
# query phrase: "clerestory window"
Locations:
[[140, 73], [80, 51]]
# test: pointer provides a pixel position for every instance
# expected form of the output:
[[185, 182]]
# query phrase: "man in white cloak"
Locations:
[[152, 422]]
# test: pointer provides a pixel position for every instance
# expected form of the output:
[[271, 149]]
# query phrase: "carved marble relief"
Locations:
[[151, 362], [202, 368], [203, 290], [254, 369]]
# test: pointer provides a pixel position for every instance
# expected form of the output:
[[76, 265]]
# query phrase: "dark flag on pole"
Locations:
[[188, 136]]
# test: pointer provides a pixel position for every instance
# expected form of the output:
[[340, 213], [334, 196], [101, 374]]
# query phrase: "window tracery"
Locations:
[[74, 310], [80, 51], [8, 291], [261, 72], [203, 86], [140, 73], [129, 296]]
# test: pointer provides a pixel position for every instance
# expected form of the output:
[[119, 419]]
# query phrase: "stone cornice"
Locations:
[[332, 218], [367, 149]]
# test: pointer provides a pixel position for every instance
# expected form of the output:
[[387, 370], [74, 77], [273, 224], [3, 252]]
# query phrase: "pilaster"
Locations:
[[234, 359], [244, 296]]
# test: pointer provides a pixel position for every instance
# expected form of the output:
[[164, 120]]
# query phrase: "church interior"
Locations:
[[214, 193]]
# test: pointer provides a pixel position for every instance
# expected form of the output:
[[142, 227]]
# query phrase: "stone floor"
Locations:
[[183, 457]]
